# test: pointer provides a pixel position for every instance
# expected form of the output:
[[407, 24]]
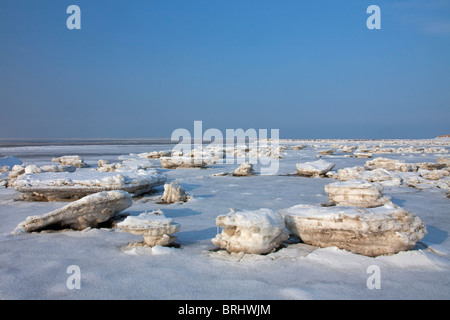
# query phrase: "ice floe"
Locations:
[[314, 169], [76, 161], [64, 186], [387, 229], [173, 192], [153, 226], [245, 169], [86, 212], [257, 232]]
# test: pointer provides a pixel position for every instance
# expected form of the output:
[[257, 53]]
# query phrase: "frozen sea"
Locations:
[[34, 266]]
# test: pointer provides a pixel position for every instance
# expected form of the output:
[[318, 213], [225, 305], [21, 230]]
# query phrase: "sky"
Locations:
[[143, 68]]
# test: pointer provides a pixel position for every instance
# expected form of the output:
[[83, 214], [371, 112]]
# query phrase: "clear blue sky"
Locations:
[[142, 68]]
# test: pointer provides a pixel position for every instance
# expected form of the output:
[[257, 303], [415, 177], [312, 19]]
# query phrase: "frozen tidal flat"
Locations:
[[34, 265]]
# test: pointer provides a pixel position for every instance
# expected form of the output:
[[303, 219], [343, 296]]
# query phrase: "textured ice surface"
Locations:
[[54, 186], [368, 231], [86, 212], [256, 232]]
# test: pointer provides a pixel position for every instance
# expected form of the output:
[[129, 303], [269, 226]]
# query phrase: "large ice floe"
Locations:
[[76, 161], [185, 162], [256, 232], [86, 212], [17, 170], [155, 154], [394, 172], [67, 186], [390, 164], [380, 175], [154, 227], [358, 193], [383, 230], [128, 164]]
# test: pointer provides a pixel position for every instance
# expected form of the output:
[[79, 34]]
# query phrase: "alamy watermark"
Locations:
[[374, 21], [74, 280], [74, 20], [255, 145], [374, 280]]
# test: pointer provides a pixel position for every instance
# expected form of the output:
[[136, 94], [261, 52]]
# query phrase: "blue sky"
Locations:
[[311, 69]]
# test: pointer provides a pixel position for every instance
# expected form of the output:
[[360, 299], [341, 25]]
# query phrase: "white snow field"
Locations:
[[39, 265]]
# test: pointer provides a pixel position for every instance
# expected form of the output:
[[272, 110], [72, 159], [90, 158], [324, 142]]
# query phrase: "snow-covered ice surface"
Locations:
[[34, 266]]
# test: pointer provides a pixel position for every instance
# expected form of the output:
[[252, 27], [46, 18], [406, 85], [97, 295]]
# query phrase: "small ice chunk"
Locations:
[[245, 169], [154, 227], [314, 169], [76, 161], [173, 193]]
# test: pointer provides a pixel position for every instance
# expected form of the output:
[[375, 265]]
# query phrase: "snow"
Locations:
[[263, 218], [146, 220], [155, 250], [33, 266]]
